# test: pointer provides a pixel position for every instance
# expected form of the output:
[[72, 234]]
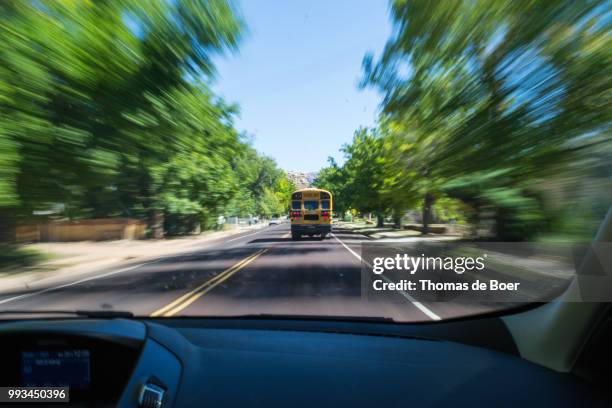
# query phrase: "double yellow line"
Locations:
[[193, 295]]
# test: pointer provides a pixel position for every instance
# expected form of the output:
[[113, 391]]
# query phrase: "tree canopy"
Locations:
[[105, 108], [486, 102]]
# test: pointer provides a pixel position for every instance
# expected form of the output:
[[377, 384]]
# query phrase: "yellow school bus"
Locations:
[[311, 213]]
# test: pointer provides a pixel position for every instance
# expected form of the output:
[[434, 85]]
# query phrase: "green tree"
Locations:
[[494, 97], [105, 108], [334, 179]]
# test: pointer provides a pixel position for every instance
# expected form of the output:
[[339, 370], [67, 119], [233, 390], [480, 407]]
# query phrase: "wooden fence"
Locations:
[[81, 230]]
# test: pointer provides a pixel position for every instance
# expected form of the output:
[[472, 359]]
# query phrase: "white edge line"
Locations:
[[65, 285], [421, 307], [418, 305]]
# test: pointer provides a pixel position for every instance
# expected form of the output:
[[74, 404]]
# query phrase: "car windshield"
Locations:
[[185, 157]]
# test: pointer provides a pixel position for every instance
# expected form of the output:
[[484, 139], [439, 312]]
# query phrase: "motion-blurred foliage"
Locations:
[[105, 108], [505, 105]]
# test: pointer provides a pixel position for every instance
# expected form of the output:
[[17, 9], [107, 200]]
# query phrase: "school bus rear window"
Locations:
[[311, 205]]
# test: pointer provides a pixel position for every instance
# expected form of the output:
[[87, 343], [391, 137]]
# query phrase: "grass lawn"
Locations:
[[12, 258]]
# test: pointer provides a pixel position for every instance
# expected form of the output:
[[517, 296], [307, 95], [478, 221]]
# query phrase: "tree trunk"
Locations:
[[500, 224], [427, 203], [157, 224], [397, 219], [475, 221], [380, 220], [7, 227]]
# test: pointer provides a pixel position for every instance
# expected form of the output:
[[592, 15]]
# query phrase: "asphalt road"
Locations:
[[263, 272]]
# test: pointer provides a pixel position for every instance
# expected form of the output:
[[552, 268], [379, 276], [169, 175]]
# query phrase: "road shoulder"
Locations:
[[76, 261]]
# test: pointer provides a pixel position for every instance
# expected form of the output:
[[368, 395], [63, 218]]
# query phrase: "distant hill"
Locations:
[[301, 179]]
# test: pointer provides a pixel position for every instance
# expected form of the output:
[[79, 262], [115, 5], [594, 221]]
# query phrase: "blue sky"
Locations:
[[296, 73]]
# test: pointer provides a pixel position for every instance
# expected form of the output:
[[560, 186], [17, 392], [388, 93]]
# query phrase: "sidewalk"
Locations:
[[545, 271], [387, 232], [76, 260]]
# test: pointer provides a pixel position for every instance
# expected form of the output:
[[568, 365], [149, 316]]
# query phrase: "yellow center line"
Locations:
[[191, 292], [188, 298]]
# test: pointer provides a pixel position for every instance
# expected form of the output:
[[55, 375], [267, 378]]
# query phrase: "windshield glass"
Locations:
[[461, 152]]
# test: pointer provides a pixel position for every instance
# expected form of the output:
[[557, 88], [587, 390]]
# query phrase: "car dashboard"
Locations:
[[233, 362]]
